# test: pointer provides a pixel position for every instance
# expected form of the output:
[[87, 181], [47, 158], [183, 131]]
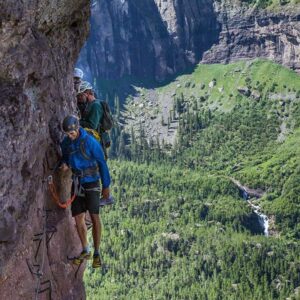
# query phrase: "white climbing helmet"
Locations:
[[84, 85], [78, 73]]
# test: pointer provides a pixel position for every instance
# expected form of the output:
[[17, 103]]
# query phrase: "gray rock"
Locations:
[[7, 229], [39, 44], [282, 96], [244, 91], [187, 84], [168, 36], [252, 34], [255, 95], [211, 84]]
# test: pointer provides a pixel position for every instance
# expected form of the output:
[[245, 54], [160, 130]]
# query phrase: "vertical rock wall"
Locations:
[[148, 38], [39, 44], [248, 34], [154, 39]]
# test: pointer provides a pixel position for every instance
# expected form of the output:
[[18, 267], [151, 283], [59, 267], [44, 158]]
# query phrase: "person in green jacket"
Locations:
[[91, 112]]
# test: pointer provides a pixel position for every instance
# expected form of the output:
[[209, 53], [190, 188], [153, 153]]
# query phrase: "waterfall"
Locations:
[[263, 219], [247, 193]]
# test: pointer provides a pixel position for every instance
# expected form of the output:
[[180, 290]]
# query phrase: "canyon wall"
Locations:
[[155, 39], [39, 44], [248, 34], [147, 39]]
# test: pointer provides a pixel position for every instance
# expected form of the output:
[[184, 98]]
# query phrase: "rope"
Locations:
[[55, 197]]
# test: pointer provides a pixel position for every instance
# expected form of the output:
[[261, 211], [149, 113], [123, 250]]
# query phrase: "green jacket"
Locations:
[[92, 115]]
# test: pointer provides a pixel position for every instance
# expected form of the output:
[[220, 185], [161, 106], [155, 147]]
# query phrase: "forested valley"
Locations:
[[180, 228]]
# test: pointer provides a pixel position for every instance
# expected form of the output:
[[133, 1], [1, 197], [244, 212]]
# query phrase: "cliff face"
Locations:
[[157, 38], [39, 43], [249, 34], [145, 38]]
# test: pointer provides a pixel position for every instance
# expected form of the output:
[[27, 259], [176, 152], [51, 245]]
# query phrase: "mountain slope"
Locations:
[[181, 234], [156, 39], [220, 89], [240, 120], [180, 228]]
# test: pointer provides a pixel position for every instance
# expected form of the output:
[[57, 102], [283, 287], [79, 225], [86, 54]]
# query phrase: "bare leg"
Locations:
[[81, 229], [97, 230]]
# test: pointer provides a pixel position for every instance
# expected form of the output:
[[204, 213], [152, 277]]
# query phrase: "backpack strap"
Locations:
[[107, 121], [93, 133], [82, 149]]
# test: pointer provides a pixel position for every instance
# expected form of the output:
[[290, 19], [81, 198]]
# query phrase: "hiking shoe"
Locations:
[[96, 261], [108, 201], [79, 259]]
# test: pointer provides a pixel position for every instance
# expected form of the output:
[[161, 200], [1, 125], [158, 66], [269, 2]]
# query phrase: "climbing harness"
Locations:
[[92, 171], [78, 188]]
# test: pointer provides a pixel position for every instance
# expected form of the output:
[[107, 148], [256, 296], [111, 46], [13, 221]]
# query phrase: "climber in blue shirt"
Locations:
[[84, 155]]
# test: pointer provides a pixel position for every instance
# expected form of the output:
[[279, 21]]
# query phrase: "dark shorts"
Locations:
[[89, 201]]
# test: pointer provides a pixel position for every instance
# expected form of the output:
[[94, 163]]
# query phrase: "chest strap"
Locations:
[[92, 171]]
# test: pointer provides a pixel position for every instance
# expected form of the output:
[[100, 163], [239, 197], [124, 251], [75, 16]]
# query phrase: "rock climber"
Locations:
[[92, 113], [83, 154]]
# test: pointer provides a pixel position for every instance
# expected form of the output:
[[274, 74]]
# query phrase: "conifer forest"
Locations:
[[181, 228]]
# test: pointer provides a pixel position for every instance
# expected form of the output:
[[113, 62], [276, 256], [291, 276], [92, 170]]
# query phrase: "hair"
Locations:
[[90, 92]]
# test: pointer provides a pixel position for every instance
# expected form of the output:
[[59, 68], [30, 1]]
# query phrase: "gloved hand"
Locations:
[[105, 193]]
